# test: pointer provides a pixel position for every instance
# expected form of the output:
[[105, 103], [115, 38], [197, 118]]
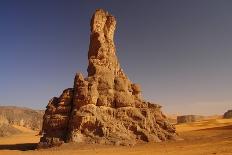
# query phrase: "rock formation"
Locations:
[[8, 130], [25, 117], [105, 107], [189, 118], [228, 114]]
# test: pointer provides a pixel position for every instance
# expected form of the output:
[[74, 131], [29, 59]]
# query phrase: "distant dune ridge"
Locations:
[[11, 116], [105, 107]]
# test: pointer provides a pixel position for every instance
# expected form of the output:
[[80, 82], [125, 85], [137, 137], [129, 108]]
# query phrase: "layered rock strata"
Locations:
[[105, 107]]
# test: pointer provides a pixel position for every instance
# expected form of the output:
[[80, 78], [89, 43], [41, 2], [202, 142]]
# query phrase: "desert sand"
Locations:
[[212, 136]]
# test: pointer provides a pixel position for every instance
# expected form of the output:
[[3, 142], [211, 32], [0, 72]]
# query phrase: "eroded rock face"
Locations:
[[19, 116], [105, 107]]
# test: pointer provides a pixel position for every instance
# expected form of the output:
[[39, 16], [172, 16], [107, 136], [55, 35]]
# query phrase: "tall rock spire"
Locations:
[[105, 107], [102, 51]]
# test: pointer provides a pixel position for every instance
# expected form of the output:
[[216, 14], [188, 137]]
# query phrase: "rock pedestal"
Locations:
[[105, 107]]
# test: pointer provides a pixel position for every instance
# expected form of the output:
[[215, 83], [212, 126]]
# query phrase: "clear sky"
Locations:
[[179, 51]]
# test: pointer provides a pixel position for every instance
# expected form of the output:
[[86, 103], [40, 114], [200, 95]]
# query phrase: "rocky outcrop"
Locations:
[[7, 130], [189, 118], [25, 117], [105, 107], [228, 114]]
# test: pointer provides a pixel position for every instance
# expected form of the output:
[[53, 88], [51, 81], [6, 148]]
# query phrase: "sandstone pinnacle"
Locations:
[[104, 107]]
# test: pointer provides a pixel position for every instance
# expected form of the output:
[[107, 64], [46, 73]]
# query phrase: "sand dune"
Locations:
[[212, 136]]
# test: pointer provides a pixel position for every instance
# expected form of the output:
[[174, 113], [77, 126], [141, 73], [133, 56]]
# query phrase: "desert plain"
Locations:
[[206, 137], [104, 112]]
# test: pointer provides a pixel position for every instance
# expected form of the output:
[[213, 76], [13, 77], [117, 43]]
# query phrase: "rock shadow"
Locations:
[[20, 147]]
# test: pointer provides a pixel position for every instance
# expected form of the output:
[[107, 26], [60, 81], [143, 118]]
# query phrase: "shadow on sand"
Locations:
[[20, 147], [227, 127]]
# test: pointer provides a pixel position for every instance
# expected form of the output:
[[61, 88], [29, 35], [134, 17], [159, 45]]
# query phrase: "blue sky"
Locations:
[[179, 51]]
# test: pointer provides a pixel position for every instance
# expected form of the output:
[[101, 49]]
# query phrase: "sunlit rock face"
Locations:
[[105, 107]]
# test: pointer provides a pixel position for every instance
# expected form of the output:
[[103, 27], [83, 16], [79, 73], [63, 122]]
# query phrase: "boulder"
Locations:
[[228, 114]]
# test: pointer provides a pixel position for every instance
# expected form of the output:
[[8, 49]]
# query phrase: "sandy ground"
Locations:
[[207, 137]]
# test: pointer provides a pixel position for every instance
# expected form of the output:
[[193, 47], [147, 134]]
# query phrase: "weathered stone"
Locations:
[[11, 116], [136, 88], [105, 107], [228, 114], [189, 118]]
